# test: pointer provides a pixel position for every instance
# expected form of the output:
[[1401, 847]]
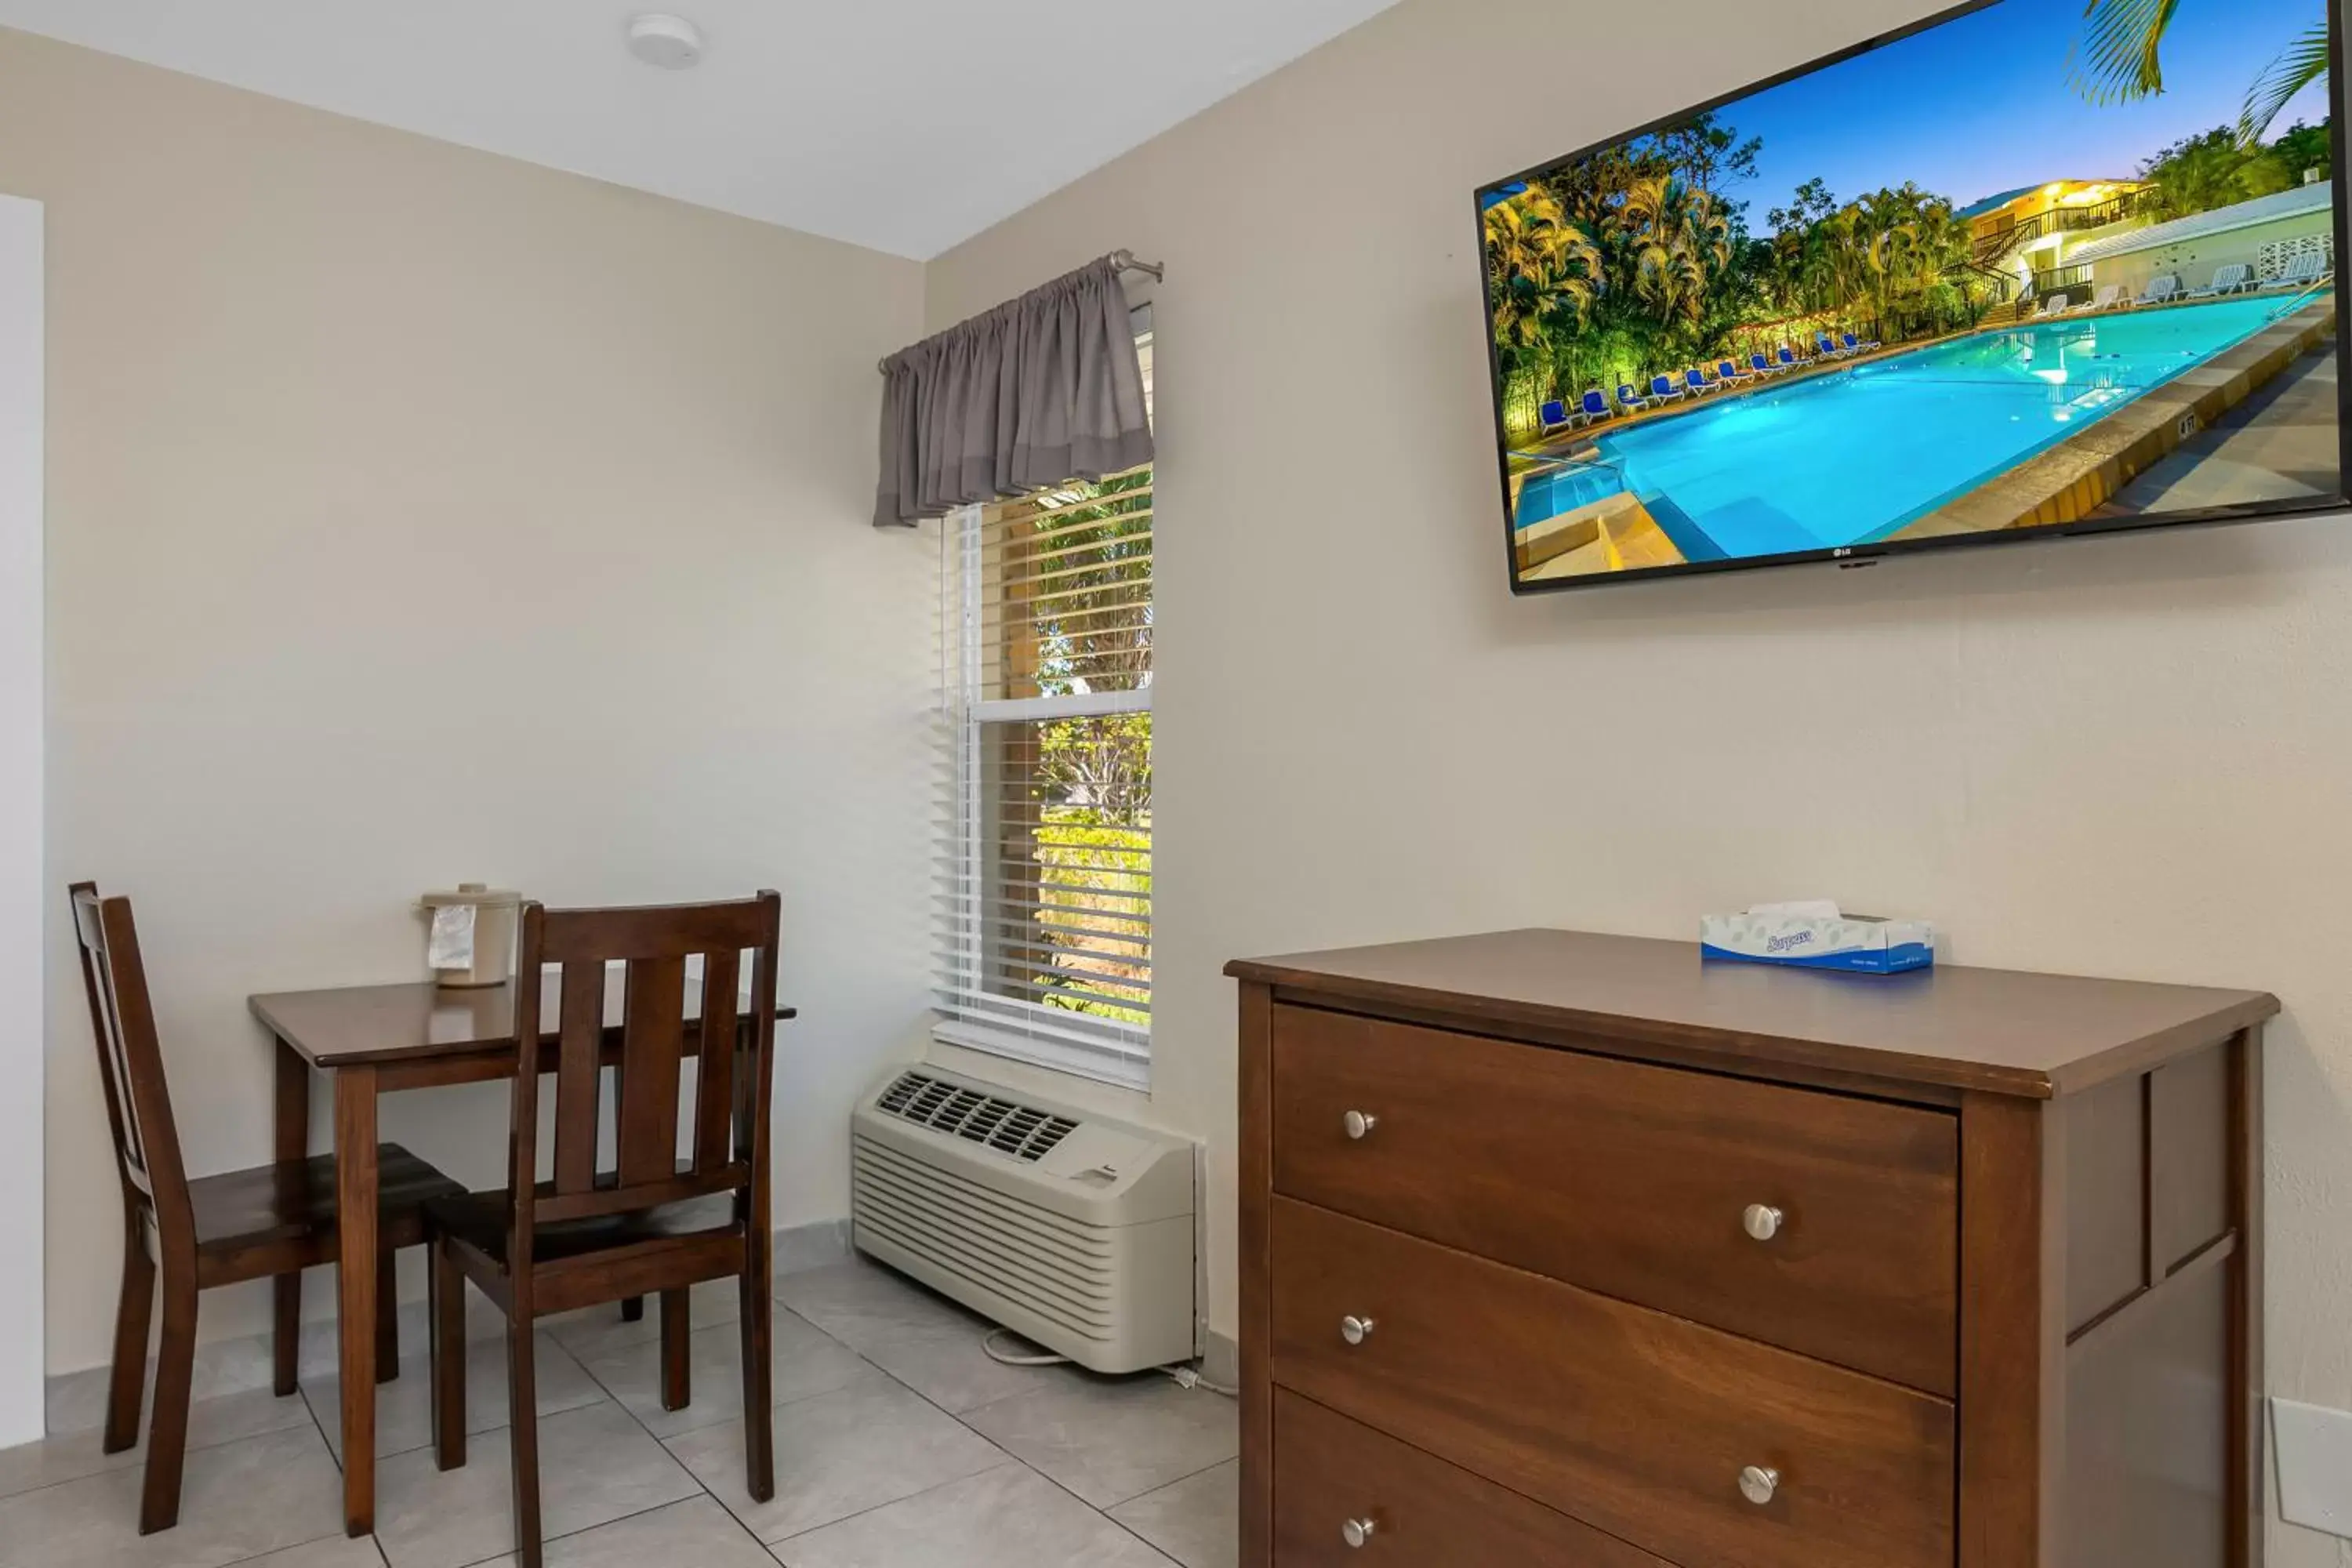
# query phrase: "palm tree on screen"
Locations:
[[1544, 265], [1680, 237], [2301, 63], [2116, 59]]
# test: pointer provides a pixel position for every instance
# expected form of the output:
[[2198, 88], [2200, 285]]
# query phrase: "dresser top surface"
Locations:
[[2003, 1031]]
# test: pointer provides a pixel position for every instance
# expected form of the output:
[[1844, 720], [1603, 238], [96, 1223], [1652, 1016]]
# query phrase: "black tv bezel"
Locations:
[[1857, 554]]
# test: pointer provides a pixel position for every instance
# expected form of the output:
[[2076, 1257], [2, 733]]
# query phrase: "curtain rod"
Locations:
[[1125, 260]]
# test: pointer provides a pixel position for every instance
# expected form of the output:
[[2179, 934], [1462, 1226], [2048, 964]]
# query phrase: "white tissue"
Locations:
[[1801, 909], [451, 945]]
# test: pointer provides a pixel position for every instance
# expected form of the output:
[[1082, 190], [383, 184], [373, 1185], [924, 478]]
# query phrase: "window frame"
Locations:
[[1018, 1028]]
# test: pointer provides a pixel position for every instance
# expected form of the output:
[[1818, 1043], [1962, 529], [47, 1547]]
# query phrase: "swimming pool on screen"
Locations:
[[1853, 455]]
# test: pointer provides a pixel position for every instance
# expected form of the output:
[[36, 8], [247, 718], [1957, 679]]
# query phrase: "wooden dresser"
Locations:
[[1561, 1249]]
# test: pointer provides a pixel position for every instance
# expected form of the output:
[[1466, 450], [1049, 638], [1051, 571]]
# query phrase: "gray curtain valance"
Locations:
[[1041, 390]]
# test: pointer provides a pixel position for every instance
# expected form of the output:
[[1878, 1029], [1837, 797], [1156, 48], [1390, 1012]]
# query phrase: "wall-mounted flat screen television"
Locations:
[[2025, 269]]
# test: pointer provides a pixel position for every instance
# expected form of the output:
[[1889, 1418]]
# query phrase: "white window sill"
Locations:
[[1122, 1066]]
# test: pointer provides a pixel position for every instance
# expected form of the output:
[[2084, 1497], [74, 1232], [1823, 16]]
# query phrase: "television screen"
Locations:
[[2025, 269]]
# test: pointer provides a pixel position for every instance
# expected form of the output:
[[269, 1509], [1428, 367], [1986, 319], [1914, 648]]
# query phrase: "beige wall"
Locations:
[[2195, 261], [417, 515], [2122, 757]]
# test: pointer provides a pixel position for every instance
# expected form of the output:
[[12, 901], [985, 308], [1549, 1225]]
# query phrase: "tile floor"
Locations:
[[898, 1445]]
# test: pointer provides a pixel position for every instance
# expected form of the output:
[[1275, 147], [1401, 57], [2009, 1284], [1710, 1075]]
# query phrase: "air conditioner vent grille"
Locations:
[[1006, 1126]]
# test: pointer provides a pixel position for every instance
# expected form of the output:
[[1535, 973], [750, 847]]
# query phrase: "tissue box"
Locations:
[[1865, 945]]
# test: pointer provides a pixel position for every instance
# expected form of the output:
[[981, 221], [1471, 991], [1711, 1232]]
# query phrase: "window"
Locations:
[[1046, 879]]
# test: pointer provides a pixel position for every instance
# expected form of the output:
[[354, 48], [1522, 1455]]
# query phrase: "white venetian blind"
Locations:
[[1045, 875]]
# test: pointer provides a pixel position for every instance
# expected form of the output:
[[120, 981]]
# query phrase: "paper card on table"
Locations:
[[451, 945]]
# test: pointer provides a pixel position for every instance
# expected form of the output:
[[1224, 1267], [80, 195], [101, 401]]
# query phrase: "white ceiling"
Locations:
[[906, 125]]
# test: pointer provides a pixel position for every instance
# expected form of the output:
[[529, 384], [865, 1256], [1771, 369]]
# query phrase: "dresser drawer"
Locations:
[[1636, 1181], [1634, 1421], [1424, 1512]]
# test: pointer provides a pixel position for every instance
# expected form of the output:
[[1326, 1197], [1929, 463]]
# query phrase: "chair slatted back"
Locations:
[[131, 1062], [722, 1130]]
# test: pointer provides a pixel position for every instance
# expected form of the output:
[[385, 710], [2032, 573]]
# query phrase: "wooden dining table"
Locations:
[[369, 1041]]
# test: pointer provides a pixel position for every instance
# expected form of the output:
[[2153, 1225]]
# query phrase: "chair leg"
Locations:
[[387, 1315], [167, 1434], [759, 1375], [633, 1309], [285, 1334], [522, 1394], [449, 1374], [126, 1385], [677, 1371]]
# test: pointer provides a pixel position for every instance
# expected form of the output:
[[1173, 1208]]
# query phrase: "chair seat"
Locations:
[[480, 1220], [295, 1202]]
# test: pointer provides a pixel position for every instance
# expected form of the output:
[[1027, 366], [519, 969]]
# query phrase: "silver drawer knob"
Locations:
[[1356, 1531], [1357, 1124], [1763, 1221], [1757, 1484], [1355, 1330]]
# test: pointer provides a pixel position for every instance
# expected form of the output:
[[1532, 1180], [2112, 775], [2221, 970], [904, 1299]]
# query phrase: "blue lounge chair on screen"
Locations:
[[1552, 418], [1728, 372], [1663, 389], [1826, 346], [2162, 290], [1854, 345], [1596, 405], [1759, 365], [1631, 398], [1789, 361], [2306, 268], [1695, 381]]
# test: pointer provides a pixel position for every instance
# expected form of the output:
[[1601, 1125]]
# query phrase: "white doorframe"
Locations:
[[23, 1348]]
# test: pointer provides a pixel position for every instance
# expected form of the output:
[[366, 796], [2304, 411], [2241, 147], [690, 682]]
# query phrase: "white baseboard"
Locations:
[[1221, 1360], [2312, 1445], [801, 1248], [76, 1401]]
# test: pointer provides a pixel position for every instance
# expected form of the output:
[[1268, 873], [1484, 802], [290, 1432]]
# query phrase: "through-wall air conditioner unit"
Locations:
[[1072, 1230]]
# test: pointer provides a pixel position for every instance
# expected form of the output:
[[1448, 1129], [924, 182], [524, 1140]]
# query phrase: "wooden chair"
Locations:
[[653, 1224], [270, 1222]]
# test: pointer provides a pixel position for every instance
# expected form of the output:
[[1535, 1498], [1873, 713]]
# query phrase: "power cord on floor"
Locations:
[[1184, 1375], [1190, 1376], [988, 1344]]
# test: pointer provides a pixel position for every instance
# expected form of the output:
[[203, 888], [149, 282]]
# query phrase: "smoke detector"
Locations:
[[672, 43]]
